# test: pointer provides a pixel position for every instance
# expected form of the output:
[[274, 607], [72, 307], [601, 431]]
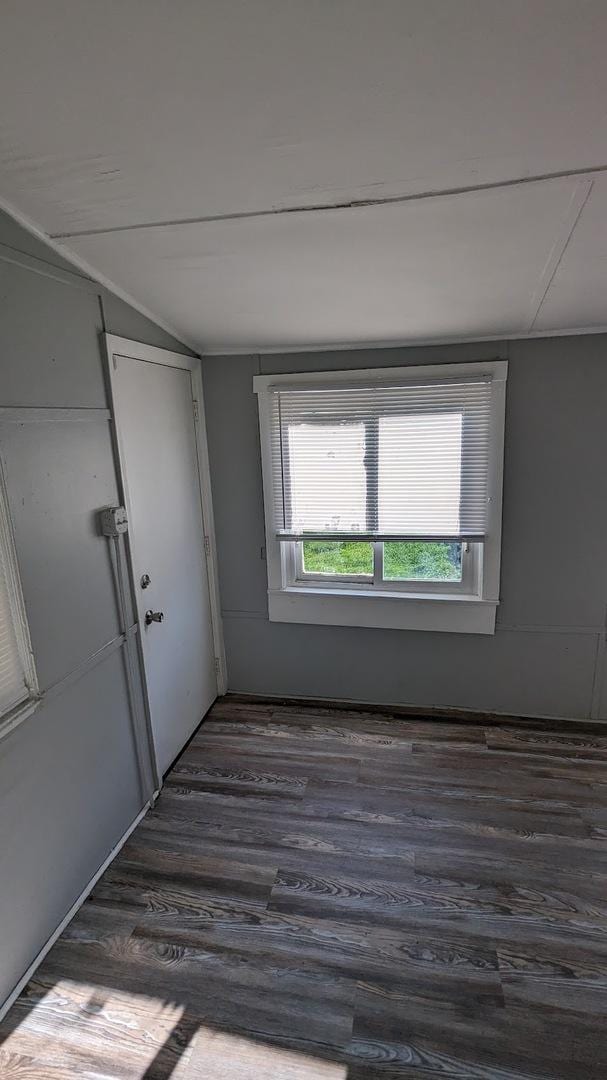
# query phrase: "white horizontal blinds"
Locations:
[[382, 462], [13, 688]]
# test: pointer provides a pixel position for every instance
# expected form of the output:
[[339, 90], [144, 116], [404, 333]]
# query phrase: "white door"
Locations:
[[154, 411]]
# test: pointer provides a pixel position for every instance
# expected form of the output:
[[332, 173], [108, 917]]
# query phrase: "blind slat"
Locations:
[[382, 462], [12, 679]]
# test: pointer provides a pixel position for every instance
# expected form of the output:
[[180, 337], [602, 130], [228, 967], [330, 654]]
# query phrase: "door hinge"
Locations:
[[217, 666], [195, 405], [207, 545]]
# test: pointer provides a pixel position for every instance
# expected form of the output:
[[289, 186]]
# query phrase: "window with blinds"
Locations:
[[405, 458], [17, 676], [383, 495]]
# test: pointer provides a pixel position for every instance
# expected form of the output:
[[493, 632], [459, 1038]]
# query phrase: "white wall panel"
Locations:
[[58, 475], [69, 780], [68, 790], [49, 342]]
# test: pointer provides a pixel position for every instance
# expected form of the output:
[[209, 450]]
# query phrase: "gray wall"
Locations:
[[69, 782], [547, 655]]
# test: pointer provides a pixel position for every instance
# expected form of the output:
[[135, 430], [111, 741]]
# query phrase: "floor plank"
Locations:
[[329, 893]]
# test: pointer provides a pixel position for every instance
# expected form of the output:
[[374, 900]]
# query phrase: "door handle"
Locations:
[[153, 616]]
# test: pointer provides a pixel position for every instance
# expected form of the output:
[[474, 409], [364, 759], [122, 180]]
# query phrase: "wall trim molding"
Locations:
[[399, 343], [600, 662], [459, 714], [57, 932], [18, 715], [508, 628], [16, 414], [47, 269], [83, 668]]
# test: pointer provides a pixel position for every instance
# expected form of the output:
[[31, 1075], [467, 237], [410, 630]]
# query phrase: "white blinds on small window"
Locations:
[[399, 460], [13, 684]]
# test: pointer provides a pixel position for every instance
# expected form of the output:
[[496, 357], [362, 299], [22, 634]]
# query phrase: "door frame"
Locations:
[[137, 350]]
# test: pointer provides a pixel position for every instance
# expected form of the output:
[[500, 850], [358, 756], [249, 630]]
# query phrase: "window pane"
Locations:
[[421, 561], [331, 557], [420, 473], [326, 487]]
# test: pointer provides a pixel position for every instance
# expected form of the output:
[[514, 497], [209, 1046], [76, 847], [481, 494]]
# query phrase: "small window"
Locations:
[[384, 486], [434, 567], [405, 562], [18, 685]]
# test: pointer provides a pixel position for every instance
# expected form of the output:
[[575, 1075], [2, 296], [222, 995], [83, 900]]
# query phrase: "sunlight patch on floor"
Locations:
[[73, 1028], [220, 1055], [62, 1026]]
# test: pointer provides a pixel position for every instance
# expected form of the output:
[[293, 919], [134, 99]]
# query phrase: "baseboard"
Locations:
[[23, 981], [422, 712]]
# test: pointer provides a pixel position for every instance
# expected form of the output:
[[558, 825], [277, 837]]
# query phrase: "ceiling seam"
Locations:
[[350, 204], [578, 200]]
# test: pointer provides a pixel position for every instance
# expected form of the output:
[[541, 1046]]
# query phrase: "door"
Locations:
[[154, 411]]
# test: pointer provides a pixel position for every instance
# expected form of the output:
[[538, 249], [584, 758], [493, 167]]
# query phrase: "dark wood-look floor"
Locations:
[[323, 894]]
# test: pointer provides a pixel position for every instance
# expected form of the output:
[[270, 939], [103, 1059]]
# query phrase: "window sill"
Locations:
[[394, 611], [17, 715]]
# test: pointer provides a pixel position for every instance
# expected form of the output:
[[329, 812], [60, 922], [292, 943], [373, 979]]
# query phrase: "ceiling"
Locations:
[[272, 174]]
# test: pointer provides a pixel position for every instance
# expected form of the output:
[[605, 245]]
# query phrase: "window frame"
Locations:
[[30, 696], [468, 585], [469, 607]]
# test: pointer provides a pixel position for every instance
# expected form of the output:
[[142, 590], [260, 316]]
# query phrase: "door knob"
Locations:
[[153, 616]]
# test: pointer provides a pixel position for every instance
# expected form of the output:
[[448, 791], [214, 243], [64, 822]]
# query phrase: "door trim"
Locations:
[[151, 354]]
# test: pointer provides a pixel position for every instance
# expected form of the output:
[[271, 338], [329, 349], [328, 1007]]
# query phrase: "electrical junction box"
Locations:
[[113, 520]]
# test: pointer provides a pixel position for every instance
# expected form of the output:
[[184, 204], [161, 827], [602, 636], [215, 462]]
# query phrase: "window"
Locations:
[[406, 565], [383, 495], [18, 686]]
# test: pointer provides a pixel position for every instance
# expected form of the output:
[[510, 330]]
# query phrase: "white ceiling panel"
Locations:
[[578, 293], [462, 265], [124, 114], [127, 111]]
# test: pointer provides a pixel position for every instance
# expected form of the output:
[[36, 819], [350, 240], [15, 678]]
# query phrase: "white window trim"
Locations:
[[31, 696], [469, 585], [352, 603]]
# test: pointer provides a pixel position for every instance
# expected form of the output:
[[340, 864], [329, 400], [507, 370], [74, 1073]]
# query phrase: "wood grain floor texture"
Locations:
[[322, 894]]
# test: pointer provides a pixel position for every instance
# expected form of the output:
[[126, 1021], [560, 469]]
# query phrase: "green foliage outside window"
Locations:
[[406, 561], [416, 560], [331, 557]]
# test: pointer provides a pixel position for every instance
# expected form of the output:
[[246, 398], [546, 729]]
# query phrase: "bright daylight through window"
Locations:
[[383, 495]]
